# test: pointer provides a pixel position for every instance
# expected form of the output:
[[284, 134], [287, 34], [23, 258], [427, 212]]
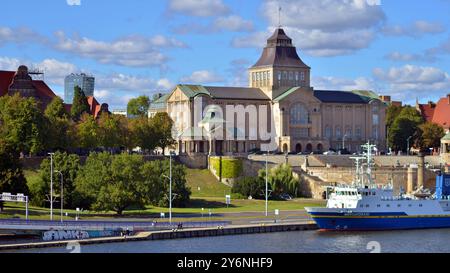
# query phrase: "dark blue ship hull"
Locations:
[[378, 221]]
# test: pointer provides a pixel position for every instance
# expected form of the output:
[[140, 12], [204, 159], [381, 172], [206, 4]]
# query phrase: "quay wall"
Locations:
[[173, 234]]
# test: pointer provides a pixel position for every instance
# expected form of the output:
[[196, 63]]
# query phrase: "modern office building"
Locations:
[[85, 82]]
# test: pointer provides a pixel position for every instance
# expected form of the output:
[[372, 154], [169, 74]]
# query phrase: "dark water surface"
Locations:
[[287, 242]]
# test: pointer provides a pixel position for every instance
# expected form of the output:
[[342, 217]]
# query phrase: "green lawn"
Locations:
[[207, 193], [204, 184]]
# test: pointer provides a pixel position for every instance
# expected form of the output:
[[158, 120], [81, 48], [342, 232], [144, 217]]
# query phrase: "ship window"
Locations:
[[361, 206], [420, 205], [378, 205], [399, 205], [388, 205], [367, 206], [409, 205]]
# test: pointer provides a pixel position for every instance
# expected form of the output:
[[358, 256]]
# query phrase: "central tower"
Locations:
[[279, 67]]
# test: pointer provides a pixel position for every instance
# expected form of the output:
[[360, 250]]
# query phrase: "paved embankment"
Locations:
[[169, 234]]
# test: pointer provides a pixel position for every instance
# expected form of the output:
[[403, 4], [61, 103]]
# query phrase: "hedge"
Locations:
[[227, 167]]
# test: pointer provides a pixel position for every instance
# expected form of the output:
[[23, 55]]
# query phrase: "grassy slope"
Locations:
[[210, 196]]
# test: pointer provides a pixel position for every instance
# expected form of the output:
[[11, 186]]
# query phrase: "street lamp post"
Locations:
[[267, 183], [343, 141], [407, 147], [62, 194], [51, 186], [170, 187]]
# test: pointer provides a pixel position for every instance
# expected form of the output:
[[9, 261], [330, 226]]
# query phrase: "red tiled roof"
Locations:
[[427, 111], [94, 106], [43, 90], [442, 112], [6, 78]]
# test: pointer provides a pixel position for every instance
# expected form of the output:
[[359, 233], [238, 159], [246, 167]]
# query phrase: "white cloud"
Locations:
[[416, 29], [405, 57], [232, 23], [443, 48], [321, 27], [325, 15], [200, 8], [19, 35], [73, 2], [54, 70], [202, 77], [411, 81], [336, 83], [133, 51]]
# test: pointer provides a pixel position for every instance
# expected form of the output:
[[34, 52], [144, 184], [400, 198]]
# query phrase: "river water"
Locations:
[[422, 241]]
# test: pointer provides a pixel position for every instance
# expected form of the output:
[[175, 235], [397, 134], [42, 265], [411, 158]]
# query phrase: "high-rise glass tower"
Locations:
[[85, 82]]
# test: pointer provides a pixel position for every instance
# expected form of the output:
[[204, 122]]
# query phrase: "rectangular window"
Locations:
[[297, 133]]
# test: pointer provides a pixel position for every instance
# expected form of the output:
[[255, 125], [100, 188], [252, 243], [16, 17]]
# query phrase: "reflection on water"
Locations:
[[287, 242]]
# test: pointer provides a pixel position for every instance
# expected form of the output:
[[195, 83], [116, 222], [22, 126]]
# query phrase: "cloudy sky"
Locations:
[[134, 47]]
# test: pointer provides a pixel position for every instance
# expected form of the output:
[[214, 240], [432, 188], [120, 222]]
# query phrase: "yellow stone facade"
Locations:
[[303, 119]]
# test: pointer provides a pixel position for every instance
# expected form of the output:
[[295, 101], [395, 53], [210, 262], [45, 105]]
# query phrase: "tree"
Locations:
[[281, 180], [112, 182], [88, 132], [162, 125], [430, 136], [113, 131], [250, 186], [23, 124], [143, 134], [60, 128], [405, 125], [157, 173], [139, 106], [80, 104], [11, 176], [69, 166], [392, 112]]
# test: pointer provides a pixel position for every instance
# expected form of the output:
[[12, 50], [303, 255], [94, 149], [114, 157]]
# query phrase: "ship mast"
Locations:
[[368, 153], [358, 178]]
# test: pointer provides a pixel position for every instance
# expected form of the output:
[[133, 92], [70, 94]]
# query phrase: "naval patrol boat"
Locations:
[[364, 205]]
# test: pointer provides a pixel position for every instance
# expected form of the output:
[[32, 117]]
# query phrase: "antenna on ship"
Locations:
[[358, 174], [368, 148]]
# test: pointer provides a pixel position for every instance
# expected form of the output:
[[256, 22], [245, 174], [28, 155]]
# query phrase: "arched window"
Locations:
[[299, 115]]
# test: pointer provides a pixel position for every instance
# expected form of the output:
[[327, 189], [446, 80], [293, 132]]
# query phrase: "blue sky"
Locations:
[[399, 48]]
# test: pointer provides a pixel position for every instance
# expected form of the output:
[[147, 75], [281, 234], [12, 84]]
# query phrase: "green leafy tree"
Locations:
[[143, 134], [88, 132], [282, 180], [162, 125], [392, 112], [157, 173], [405, 125], [250, 186], [60, 128], [22, 124], [80, 104], [430, 135], [11, 176], [112, 183], [113, 131], [65, 164], [139, 106]]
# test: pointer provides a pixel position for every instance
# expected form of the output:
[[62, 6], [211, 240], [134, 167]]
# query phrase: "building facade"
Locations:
[[85, 82], [20, 82], [279, 111], [438, 113]]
